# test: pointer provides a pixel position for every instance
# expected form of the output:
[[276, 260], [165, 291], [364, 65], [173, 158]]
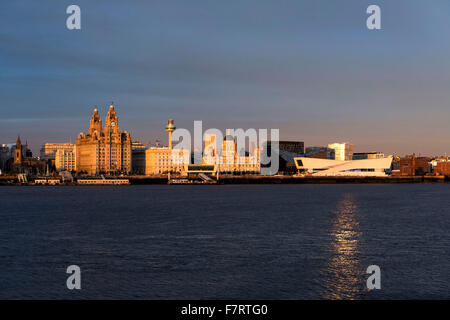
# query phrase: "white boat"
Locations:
[[103, 181]]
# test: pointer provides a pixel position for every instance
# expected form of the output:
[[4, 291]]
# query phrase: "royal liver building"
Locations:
[[104, 150]]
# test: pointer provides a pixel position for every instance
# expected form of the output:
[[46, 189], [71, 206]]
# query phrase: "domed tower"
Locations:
[[111, 118], [112, 131], [95, 127]]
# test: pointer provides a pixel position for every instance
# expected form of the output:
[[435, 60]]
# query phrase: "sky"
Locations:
[[309, 68]]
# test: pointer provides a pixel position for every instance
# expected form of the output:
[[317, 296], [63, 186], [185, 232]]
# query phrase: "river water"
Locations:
[[226, 241]]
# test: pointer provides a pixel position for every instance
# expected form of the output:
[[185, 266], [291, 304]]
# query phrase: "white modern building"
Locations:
[[327, 167], [342, 151]]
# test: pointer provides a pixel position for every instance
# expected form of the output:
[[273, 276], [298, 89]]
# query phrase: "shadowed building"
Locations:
[[138, 157], [104, 150], [18, 152], [287, 151], [319, 152], [23, 161]]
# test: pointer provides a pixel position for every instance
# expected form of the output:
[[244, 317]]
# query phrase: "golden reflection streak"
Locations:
[[343, 268]]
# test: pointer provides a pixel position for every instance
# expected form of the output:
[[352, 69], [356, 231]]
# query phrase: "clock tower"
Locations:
[[18, 155]]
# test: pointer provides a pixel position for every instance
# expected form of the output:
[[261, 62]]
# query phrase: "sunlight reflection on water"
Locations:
[[343, 269]]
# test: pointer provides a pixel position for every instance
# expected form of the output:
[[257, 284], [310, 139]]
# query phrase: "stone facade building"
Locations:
[[66, 160], [104, 150], [164, 160], [228, 159]]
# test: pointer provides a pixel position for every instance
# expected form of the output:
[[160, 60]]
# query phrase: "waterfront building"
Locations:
[[210, 150], [48, 150], [342, 151], [330, 167], [287, 151], [104, 150], [136, 145], [138, 157], [297, 147], [229, 160], [410, 165], [441, 167], [159, 160], [229, 155], [66, 160], [248, 164], [319, 152], [164, 160], [367, 155]]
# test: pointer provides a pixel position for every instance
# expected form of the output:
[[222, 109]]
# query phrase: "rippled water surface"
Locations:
[[228, 241]]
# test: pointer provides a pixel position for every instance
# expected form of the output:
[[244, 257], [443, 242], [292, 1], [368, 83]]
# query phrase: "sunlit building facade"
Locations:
[[48, 150], [66, 160], [164, 160], [367, 155], [138, 157], [228, 160], [342, 151], [104, 150]]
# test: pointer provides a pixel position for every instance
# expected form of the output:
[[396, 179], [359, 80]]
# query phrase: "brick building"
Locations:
[[411, 165]]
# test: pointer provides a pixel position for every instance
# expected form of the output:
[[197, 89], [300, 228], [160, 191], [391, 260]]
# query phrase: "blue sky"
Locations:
[[309, 68]]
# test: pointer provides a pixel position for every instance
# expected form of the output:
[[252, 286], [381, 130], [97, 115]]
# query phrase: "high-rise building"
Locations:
[[228, 152], [48, 150], [342, 151], [66, 160], [104, 150], [210, 150]]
